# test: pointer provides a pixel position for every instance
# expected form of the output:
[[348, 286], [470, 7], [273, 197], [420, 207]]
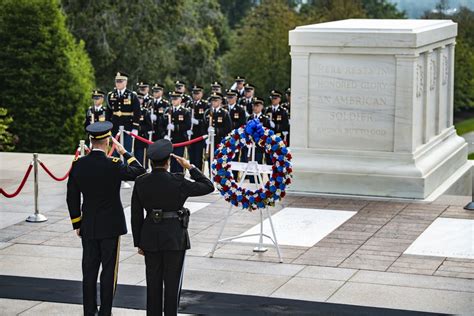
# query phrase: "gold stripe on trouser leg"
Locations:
[[116, 264]]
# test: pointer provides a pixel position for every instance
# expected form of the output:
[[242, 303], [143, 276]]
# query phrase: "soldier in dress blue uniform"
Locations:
[[240, 86], [144, 88], [178, 122], [162, 235], [125, 108], [100, 220], [258, 105], [218, 119], [145, 127], [216, 86], [180, 87], [278, 118], [247, 100], [158, 105], [97, 112], [238, 118], [197, 108]]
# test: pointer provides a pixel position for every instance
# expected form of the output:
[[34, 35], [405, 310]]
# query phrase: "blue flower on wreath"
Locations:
[[255, 129]]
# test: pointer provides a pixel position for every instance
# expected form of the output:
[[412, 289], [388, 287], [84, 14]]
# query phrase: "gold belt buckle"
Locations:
[[118, 113]]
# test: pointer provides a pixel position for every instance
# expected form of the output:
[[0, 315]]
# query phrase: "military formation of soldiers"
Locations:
[[180, 117]]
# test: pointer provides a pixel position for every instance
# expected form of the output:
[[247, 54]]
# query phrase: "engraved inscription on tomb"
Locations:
[[352, 102]]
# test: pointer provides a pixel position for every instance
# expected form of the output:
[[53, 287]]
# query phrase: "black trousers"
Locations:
[[196, 151], [94, 253], [163, 268], [175, 166]]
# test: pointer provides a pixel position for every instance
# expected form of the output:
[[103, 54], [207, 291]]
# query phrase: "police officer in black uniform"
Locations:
[[180, 87], [247, 100], [100, 220], [178, 122], [158, 106], [197, 108], [97, 112], [125, 108], [162, 236]]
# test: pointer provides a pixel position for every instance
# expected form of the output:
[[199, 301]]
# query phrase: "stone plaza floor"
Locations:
[[393, 254]]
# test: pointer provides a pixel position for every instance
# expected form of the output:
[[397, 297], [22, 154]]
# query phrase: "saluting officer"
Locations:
[[198, 107], [100, 220], [178, 122], [218, 119], [162, 236], [180, 87], [247, 100], [158, 105], [145, 127], [97, 112], [125, 108]]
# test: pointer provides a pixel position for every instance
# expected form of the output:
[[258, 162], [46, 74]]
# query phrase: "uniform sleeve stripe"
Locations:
[[130, 160], [77, 219]]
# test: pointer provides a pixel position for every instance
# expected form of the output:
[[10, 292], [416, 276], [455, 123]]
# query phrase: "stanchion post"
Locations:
[[211, 154], [36, 217], [82, 145], [122, 137]]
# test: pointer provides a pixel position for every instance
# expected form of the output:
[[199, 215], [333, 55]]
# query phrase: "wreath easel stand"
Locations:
[[252, 168]]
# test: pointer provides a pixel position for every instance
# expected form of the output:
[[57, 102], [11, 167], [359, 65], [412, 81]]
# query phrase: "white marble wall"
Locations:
[[366, 107]]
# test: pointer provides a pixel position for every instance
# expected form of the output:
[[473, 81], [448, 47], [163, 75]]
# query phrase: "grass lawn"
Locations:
[[465, 126]]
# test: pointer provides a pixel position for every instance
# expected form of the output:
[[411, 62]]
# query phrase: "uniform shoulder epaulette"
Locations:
[[135, 93], [142, 176]]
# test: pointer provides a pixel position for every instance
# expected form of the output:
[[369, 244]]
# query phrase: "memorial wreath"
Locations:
[[274, 146]]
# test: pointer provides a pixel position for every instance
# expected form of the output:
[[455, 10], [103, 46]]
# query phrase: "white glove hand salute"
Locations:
[[194, 121], [170, 126], [153, 117], [190, 133], [211, 130]]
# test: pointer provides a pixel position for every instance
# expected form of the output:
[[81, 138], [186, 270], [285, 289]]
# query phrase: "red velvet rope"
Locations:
[[22, 184], [189, 142], [52, 175]]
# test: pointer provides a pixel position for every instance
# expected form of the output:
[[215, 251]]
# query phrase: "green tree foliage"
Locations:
[[6, 138], [158, 41], [464, 54], [235, 10], [45, 75], [261, 50], [382, 9]]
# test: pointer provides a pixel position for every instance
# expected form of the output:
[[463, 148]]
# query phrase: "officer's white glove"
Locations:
[[195, 122], [170, 126], [211, 130], [167, 137], [153, 117], [208, 141], [285, 133], [190, 133], [272, 124], [134, 131]]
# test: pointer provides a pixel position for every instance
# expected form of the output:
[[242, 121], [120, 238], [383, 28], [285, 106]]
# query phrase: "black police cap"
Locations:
[[100, 130], [160, 150]]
